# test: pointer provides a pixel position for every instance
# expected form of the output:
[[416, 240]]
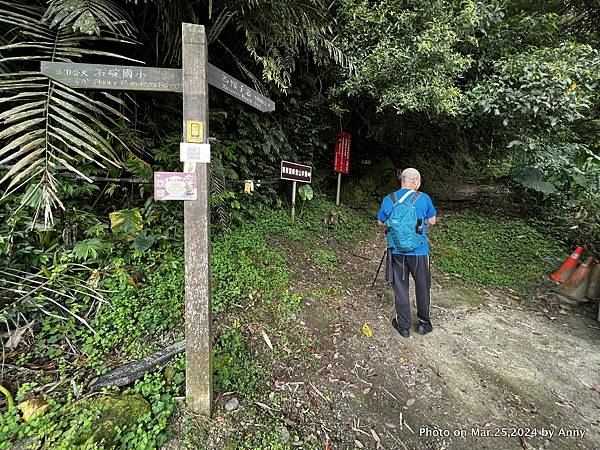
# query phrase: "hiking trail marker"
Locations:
[[341, 164], [295, 172], [192, 81]]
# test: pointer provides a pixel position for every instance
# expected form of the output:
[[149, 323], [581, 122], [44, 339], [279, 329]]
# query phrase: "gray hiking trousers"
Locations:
[[398, 268]]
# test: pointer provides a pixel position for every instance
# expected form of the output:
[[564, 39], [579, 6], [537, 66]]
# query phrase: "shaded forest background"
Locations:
[[504, 88]]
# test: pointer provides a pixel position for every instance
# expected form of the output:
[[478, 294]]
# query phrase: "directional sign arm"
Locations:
[[110, 77], [154, 79], [237, 89]]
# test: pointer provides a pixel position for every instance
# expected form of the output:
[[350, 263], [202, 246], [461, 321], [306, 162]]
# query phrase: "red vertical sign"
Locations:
[[342, 152]]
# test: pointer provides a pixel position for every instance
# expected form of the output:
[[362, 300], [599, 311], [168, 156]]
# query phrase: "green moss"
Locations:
[[326, 292], [378, 180], [469, 297], [115, 413]]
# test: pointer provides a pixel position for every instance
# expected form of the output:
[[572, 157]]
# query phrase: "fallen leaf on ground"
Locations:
[[266, 338], [323, 370], [367, 330], [16, 335], [410, 402], [47, 366], [33, 408], [376, 437], [253, 329]]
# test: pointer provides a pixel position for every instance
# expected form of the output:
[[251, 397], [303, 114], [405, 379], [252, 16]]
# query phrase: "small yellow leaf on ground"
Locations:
[[33, 408], [367, 330]]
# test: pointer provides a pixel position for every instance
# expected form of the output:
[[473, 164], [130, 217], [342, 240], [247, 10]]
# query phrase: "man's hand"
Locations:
[[381, 225], [431, 220]]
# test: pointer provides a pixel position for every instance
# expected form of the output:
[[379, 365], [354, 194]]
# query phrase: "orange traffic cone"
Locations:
[[593, 290], [568, 267], [576, 285]]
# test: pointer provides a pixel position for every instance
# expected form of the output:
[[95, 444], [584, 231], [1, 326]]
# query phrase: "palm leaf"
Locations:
[[89, 17], [162, 25], [278, 31], [26, 290], [218, 187], [48, 127]]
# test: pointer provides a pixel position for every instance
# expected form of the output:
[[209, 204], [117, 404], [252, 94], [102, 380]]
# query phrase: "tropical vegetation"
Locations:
[[506, 90]]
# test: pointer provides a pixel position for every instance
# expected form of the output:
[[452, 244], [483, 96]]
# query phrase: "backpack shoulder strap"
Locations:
[[393, 197], [405, 196], [415, 197]]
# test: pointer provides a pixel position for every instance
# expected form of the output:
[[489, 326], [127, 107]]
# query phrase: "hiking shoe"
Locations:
[[404, 332], [424, 328]]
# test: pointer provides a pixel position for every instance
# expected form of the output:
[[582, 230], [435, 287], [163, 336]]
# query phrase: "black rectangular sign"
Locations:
[[296, 172]]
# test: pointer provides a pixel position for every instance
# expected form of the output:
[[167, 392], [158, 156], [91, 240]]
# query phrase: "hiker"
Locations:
[[415, 260]]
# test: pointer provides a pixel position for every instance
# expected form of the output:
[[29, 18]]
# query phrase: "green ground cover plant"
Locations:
[[492, 251], [325, 259], [144, 293]]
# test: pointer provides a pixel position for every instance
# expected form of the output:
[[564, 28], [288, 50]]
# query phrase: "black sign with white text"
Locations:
[[296, 172]]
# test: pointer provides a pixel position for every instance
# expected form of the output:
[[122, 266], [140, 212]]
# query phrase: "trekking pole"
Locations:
[[379, 268]]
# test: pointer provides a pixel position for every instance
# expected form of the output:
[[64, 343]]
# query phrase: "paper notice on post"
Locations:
[[175, 186]]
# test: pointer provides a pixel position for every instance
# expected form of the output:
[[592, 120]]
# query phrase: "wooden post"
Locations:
[[198, 373], [339, 186], [293, 200], [192, 80]]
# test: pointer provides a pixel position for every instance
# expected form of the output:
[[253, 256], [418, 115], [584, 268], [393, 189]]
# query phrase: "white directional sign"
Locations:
[[190, 152]]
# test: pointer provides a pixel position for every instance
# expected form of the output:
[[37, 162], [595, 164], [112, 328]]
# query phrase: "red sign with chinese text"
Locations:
[[342, 152]]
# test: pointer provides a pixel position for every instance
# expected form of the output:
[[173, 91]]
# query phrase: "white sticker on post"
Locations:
[[199, 153]]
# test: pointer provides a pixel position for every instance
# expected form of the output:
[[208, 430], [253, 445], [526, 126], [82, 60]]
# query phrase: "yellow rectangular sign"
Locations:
[[195, 131]]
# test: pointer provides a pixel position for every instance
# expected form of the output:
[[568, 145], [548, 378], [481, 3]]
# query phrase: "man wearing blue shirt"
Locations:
[[415, 262]]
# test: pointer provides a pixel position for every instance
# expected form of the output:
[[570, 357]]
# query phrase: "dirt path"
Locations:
[[492, 375]]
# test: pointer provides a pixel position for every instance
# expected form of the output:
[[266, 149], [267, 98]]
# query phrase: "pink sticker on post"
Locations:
[[175, 186]]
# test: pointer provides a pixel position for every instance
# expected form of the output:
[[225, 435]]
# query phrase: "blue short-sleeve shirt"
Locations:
[[425, 210]]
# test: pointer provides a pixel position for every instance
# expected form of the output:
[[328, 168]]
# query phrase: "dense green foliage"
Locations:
[[407, 52], [509, 83]]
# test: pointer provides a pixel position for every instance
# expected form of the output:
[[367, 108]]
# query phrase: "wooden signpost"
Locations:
[[192, 80], [295, 172]]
